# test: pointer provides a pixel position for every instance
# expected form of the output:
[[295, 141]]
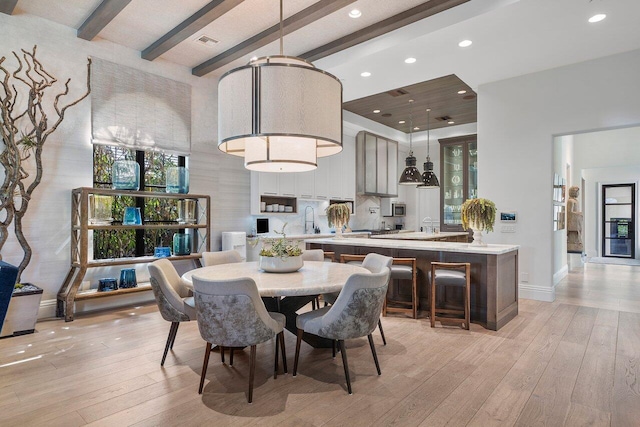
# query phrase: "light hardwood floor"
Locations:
[[572, 362]]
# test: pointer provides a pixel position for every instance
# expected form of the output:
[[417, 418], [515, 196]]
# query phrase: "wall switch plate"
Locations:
[[507, 228]]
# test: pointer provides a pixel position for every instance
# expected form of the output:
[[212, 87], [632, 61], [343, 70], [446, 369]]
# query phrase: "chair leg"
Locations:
[[373, 351], [283, 352], [333, 348], [207, 351], [467, 299], [414, 292], [384, 340], [231, 357], [313, 304], [252, 372], [295, 360], [346, 365], [175, 332], [170, 338], [222, 353], [432, 315], [275, 362]]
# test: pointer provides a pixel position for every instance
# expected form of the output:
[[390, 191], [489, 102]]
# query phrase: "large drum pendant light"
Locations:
[[410, 175], [429, 178], [280, 113]]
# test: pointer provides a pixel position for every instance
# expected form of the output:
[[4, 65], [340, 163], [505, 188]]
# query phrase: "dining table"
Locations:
[[285, 292]]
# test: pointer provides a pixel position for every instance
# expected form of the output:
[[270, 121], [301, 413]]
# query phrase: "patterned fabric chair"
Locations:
[[221, 257], [173, 298], [355, 314], [231, 314]]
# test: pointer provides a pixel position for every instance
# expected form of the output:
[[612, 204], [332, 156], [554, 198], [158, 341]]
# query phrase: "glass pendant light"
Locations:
[[280, 113], [429, 178], [410, 175]]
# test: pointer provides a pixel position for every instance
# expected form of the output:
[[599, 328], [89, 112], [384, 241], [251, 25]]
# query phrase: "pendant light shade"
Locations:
[[280, 113], [429, 178], [410, 175]]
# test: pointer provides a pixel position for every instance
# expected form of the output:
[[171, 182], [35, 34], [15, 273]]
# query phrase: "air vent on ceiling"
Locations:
[[206, 40], [397, 92], [386, 115], [443, 118], [469, 97]]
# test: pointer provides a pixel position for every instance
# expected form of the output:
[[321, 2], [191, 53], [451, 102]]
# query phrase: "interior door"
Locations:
[[618, 220]]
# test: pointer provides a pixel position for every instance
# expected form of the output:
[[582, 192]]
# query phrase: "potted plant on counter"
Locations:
[[479, 215], [338, 215], [280, 255]]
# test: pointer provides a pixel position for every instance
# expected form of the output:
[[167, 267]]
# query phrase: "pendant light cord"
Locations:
[[281, 31], [410, 127], [428, 129]]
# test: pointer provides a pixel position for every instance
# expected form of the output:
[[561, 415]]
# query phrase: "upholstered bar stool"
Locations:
[[451, 274], [404, 269]]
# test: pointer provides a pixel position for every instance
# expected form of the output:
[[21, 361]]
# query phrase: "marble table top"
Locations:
[[315, 277]]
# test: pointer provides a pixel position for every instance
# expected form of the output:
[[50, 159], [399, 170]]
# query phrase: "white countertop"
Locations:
[[420, 245], [307, 236], [413, 235]]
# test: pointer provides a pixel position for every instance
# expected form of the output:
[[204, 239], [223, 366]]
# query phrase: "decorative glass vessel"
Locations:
[[126, 175], [181, 244], [187, 211], [177, 180], [128, 278], [162, 252], [109, 284], [132, 216], [100, 209]]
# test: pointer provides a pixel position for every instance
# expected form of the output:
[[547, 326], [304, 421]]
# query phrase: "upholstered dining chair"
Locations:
[[231, 314], [354, 314], [220, 257], [173, 298]]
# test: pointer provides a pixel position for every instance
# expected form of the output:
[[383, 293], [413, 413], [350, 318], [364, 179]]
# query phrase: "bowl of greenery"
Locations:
[[479, 215], [280, 255]]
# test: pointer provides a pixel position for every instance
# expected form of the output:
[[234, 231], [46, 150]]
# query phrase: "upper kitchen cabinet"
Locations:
[[376, 165], [458, 178]]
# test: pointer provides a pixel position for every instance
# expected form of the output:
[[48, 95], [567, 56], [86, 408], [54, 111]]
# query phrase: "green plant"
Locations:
[[478, 213], [18, 286], [280, 247], [338, 214]]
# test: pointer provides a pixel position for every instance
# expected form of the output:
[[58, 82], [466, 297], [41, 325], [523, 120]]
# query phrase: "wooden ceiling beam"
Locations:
[[305, 17], [104, 13], [8, 6], [205, 16], [385, 26]]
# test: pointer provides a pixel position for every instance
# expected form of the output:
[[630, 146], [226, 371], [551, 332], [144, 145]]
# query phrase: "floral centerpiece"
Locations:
[[338, 215], [280, 255], [479, 215]]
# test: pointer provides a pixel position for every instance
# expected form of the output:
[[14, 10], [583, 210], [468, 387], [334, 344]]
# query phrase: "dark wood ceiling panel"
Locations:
[[305, 17], [104, 13], [440, 95], [407, 17], [8, 6], [189, 26]]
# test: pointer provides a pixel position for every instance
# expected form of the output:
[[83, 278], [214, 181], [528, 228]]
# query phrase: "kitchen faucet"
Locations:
[[429, 228], [306, 221]]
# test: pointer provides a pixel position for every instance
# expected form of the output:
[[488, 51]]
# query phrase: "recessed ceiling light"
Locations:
[[462, 92], [465, 43], [253, 58], [401, 122], [597, 18], [410, 60], [365, 74], [416, 128], [451, 122], [355, 13], [376, 111]]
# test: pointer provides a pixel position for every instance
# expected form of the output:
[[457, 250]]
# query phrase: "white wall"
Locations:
[[68, 155], [517, 120], [562, 156]]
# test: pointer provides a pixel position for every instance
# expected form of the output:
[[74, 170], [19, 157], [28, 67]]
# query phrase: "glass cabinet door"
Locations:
[[473, 170]]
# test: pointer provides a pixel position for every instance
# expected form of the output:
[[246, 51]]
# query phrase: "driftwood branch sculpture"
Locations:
[[25, 98]]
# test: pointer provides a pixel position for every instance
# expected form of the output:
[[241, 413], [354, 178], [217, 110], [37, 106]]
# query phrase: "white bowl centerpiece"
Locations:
[[280, 255]]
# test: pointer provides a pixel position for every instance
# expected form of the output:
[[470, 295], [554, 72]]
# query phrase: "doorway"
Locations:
[[618, 220]]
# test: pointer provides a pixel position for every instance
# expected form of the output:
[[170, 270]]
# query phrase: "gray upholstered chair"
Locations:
[[313, 255], [231, 314], [173, 297], [220, 257], [354, 314]]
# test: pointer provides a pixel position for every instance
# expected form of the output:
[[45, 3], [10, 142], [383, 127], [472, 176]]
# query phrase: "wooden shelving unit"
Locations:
[[80, 229]]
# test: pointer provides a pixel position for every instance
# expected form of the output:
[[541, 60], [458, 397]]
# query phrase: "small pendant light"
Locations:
[[429, 178], [410, 174]]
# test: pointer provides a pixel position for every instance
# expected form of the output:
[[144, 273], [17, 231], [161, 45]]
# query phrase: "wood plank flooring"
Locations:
[[573, 362]]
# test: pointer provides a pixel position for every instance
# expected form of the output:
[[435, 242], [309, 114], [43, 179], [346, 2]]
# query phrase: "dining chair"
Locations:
[[231, 314], [173, 298], [354, 314], [220, 257]]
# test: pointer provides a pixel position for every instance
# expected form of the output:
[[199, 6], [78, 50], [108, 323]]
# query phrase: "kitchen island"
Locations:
[[494, 272]]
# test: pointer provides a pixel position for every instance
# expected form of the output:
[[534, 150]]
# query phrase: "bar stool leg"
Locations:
[[433, 297]]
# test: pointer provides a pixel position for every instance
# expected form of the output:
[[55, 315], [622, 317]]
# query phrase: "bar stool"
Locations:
[[449, 274], [404, 269]]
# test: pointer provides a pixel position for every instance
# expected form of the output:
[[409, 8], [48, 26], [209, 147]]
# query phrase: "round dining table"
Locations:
[[297, 288]]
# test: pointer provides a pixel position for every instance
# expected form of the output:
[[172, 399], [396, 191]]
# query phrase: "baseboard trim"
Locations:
[[47, 308], [538, 293], [560, 274]]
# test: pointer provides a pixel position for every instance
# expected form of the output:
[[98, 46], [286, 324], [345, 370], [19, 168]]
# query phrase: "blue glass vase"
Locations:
[[105, 285], [177, 180], [128, 278], [181, 244], [132, 216], [125, 175]]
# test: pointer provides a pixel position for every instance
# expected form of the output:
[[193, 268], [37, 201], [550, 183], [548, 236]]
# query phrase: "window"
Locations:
[[117, 244]]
